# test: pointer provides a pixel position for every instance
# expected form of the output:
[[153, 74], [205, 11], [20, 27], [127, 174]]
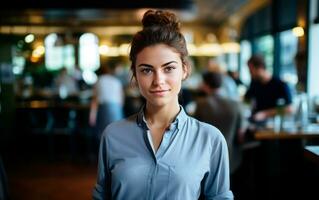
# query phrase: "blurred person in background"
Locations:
[[235, 76], [107, 101], [122, 72], [222, 112], [228, 86], [161, 152], [266, 93], [77, 74], [65, 84]]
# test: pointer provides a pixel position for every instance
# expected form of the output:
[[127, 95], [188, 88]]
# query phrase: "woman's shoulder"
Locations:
[[121, 126]]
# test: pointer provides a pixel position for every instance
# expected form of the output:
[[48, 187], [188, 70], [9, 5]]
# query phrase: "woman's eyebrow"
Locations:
[[169, 63], [163, 65], [144, 65]]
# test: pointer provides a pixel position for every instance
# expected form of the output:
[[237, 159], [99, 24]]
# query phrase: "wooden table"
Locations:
[[268, 134], [279, 164]]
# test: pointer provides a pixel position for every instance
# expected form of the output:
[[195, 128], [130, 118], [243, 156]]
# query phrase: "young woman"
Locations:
[[161, 152]]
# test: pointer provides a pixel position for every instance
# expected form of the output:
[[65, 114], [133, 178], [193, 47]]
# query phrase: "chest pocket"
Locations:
[[129, 173], [160, 180], [184, 181]]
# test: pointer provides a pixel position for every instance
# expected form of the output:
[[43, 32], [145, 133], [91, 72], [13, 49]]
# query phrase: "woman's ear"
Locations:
[[185, 71], [184, 75], [133, 81]]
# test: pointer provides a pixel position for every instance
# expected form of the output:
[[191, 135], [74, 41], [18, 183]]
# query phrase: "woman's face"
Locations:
[[159, 74]]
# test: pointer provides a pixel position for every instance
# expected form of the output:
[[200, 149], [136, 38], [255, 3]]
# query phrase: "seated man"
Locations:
[[266, 92], [222, 112]]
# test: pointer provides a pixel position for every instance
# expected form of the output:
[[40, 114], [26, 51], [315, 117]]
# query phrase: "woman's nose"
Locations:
[[159, 78]]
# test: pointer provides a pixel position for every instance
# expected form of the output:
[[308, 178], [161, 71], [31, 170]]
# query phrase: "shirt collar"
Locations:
[[179, 120]]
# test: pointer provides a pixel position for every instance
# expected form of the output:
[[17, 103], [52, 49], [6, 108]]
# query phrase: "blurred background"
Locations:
[[51, 56]]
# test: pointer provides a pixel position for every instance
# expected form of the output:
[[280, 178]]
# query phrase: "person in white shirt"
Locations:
[[107, 101]]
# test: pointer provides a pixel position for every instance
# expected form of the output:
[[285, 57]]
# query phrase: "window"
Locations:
[[69, 56], [232, 61], [265, 47], [245, 54], [313, 71], [89, 52], [58, 55], [53, 53], [228, 61], [289, 47]]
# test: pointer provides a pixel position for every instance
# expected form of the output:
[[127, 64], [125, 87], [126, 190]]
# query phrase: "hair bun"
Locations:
[[157, 18]]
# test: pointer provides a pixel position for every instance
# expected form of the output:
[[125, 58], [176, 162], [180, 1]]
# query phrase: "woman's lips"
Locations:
[[159, 92]]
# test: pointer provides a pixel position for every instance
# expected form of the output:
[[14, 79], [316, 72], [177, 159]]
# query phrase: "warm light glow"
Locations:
[[298, 31], [124, 49], [38, 52], [231, 47], [29, 38], [209, 49], [104, 49], [113, 52], [34, 59], [192, 50], [140, 12]]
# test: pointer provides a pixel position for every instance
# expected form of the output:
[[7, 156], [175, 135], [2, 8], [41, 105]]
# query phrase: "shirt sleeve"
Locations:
[[216, 185], [101, 190], [286, 93]]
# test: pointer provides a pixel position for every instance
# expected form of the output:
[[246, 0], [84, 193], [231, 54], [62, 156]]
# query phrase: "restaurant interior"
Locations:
[[47, 143]]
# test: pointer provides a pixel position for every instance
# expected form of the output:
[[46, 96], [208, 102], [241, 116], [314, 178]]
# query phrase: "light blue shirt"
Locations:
[[191, 159]]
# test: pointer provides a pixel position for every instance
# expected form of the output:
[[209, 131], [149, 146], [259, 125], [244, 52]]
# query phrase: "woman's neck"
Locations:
[[161, 116]]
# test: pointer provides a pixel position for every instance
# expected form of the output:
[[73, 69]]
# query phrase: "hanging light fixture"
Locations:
[[298, 31], [29, 38]]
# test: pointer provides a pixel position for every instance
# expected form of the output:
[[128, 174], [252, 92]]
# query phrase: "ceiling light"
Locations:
[[103, 50], [298, 31], [29, 38]]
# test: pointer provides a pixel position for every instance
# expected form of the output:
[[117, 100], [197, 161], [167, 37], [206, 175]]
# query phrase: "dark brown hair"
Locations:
[[159, 27], [212, 79], [257, 61]]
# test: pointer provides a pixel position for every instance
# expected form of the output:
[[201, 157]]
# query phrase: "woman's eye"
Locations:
[[146, 71], [169, 69]]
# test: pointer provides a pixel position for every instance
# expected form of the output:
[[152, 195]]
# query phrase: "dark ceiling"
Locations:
[[111, 12], [110, 4]]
